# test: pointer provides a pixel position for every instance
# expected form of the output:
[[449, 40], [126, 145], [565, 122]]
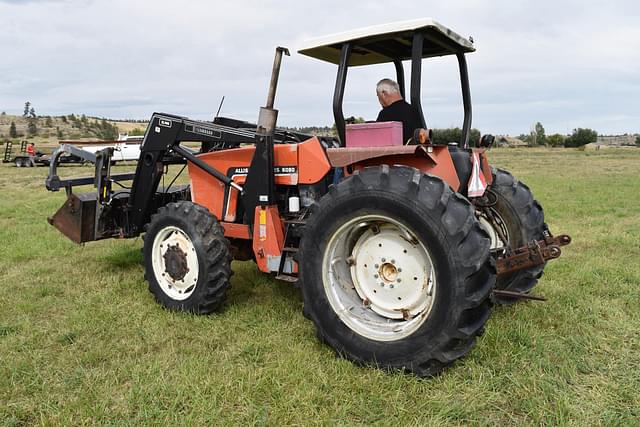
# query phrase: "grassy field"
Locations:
[[83, 342]]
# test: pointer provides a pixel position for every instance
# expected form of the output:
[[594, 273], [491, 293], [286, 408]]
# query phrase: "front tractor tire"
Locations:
[[395, 270], [187, 258], [517, 218]]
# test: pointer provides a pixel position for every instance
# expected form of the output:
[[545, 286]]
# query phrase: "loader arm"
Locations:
[[163, 135], [132, 210]]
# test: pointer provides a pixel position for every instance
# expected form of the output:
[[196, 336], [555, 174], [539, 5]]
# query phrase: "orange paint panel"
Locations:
[[208, 191], [313, 164], [236, 231], [268, 235], [286, 155]]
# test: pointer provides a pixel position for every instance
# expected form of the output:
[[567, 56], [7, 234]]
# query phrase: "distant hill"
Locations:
[[50, 129]]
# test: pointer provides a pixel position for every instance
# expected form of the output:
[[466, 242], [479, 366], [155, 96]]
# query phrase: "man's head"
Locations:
[[388, 92]]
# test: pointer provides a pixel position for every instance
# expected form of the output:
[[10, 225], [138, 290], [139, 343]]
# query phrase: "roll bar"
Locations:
[[418, 42]]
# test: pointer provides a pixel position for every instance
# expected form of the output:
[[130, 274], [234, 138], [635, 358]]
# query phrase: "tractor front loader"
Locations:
[[399, 250]]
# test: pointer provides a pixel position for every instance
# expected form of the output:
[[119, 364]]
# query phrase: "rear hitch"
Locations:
[[533, 254]]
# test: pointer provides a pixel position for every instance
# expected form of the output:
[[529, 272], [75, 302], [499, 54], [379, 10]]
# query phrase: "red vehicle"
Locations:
[[399, 250]]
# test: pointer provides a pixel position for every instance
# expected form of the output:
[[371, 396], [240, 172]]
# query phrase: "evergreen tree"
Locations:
[[580, 137], [59, 134], [106, 130], [27, 105], [32, 113], [556, 140], [541, 138], [13, 132], [32, 128]]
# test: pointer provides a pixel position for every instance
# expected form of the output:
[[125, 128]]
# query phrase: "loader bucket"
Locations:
[[84, 217], [76, 218]]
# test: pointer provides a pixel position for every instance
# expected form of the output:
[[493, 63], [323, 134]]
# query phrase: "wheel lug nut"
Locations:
[[375, 276], [383, 260], [399, 280], [391, 286], [376, 266], [393, 261], [382, 284], [399, 270]]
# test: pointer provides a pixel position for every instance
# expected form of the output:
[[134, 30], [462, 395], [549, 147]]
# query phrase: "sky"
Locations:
[[566, 64]]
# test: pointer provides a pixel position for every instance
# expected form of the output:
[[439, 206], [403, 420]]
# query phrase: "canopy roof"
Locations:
[[388, 42]]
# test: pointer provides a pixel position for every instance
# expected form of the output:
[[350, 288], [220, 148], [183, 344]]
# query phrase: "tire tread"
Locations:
[[217, 257], [468, 242]]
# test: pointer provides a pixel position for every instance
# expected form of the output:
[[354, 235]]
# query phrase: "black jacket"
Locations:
[[401, 111]]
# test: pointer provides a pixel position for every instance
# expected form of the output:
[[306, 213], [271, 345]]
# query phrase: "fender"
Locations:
[[432, 159]]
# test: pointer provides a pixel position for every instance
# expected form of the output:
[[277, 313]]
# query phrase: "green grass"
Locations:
[[83, 342]]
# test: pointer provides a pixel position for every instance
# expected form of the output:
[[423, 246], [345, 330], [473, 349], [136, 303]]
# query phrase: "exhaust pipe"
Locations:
[[268, 115]]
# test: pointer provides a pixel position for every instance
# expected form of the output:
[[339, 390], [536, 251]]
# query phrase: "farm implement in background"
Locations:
[[124, 149], [399, 250], [22, 159]]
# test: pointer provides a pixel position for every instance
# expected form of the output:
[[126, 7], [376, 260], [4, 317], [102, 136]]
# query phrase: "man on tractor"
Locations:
[[396, 109]]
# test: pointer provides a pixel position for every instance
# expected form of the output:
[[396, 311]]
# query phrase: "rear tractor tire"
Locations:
[[396, 271], [187, 258], [520, 219]]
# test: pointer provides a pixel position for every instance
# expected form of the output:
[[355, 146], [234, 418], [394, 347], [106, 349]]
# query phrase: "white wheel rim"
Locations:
[[170, 246], [496, 242], [379, 278]]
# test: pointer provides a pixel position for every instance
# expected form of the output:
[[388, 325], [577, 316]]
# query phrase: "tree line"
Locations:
[[102, 129], [96, 127], [578, 138], [537, 136]]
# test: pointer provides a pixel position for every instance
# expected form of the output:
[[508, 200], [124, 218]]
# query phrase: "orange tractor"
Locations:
[[399, 249]]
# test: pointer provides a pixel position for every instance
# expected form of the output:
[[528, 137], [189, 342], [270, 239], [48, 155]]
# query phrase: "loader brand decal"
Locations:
[[239, 171], [285, 169], [243, 171], [277, 170], [213, 133], [164, 123]]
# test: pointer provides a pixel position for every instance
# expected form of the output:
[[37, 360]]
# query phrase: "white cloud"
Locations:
[[560, 63]]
